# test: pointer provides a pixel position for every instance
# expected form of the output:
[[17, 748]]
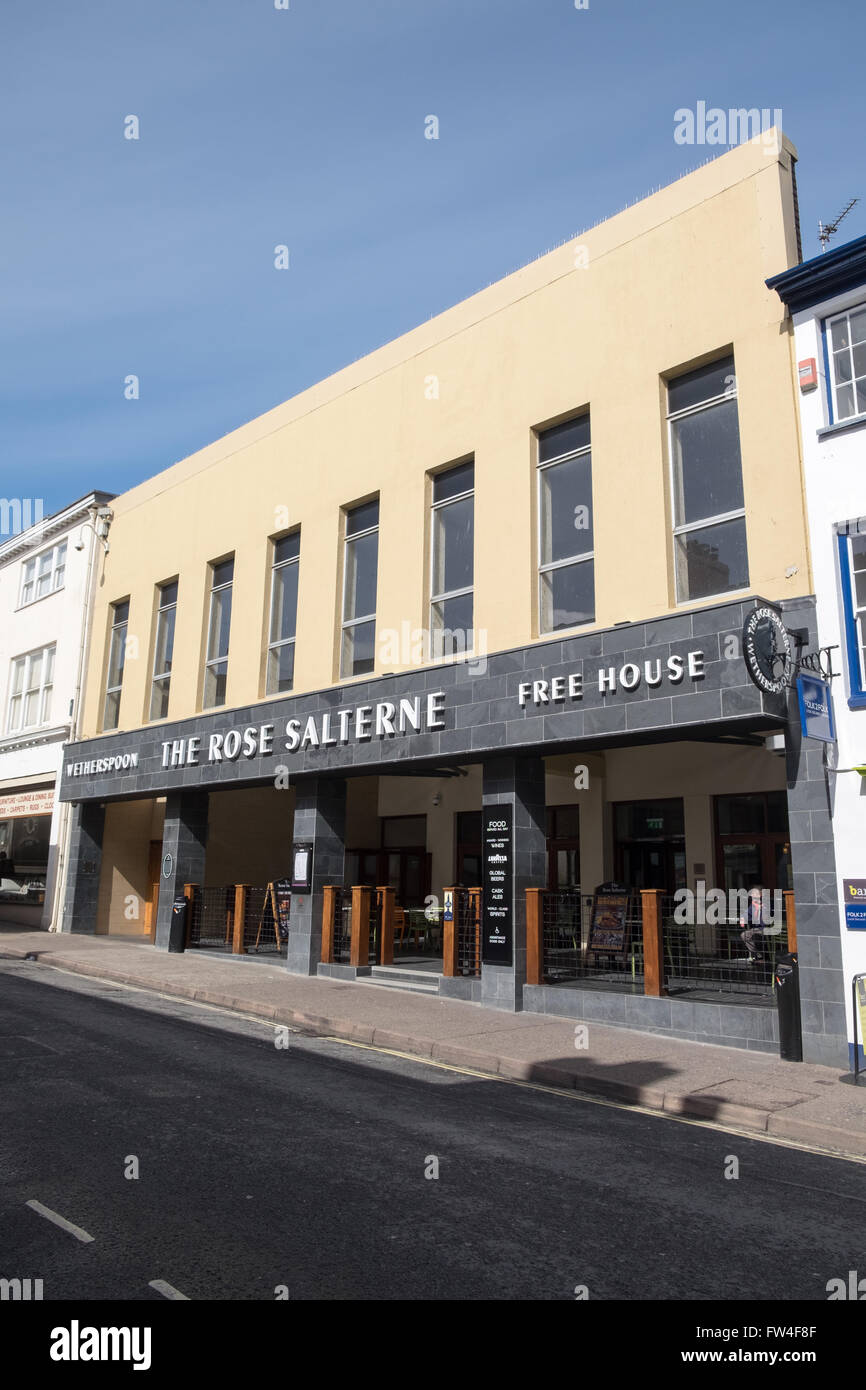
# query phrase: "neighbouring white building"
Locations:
[[826, 298], [48, 572]]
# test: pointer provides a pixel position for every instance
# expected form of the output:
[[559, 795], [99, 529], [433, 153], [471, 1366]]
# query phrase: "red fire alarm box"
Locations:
[[807, 371]]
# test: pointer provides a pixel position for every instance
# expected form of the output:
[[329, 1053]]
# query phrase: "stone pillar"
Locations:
[[517, 782], [84, 867], [813, 857], [184, 839], [320, 817]]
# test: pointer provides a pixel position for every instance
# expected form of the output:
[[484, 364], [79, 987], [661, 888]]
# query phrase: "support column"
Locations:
[[184, 841], [320, 817], [83, 868], [517, 782]]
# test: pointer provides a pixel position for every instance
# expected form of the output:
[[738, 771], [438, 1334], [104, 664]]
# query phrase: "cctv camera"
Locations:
[[80, 545]]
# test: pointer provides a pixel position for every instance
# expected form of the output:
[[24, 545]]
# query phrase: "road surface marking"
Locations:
[[167, 1290], [59, 1221], [588, 1099], [565, 1094]]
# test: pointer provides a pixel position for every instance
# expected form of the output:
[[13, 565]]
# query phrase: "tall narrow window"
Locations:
[[30, 690], [852, 558], [218, 628], [848, 363], [707, 479], [116, 660], [453, 561], [163, 652], [284, 612], [359, 590], [566, 568]]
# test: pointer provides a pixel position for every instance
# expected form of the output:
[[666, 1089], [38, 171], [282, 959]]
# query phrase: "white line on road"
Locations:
[[59, 1221], [167, 1290]]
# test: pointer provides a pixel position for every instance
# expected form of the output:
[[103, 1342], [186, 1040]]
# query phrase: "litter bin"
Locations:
[[787, 981], [177, 928]]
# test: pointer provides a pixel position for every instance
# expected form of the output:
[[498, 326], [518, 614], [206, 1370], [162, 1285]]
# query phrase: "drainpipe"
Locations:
[[105, 516]]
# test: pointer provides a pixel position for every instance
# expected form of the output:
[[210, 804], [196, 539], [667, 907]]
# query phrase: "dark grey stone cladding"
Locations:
[[482, 714]]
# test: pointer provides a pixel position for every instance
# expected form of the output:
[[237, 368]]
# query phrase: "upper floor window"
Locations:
[[453, 561], [116, 662], [284, 612], [163, 650], [360, 576], [30, 690], [43, 574], [566, 568], [218, 628], [707, 482], [847, 352], [852, 566]]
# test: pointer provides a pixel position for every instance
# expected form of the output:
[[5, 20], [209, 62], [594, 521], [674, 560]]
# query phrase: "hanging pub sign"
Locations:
[[497, 849], [768, 649], [816, 708], [609, 924]]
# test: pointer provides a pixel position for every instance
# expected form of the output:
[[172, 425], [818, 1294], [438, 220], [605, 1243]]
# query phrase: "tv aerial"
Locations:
[[825, 231]]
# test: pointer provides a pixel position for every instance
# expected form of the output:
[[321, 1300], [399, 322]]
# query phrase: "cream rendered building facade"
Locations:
[[600, 360]]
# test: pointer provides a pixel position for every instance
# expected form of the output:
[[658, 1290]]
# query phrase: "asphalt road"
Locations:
[[304, 1167]]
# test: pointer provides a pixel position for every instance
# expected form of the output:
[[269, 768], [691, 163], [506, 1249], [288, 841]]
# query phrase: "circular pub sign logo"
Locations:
[[768, 650]]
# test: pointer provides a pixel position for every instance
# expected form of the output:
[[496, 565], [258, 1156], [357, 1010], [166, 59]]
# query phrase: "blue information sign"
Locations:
[[854, 895], [816, 708]]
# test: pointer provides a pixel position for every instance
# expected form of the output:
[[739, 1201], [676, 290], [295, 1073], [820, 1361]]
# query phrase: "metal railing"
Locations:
[[566, 916], [461, 941], [712, 957], [261, 932], [210, 924], [661, 955]]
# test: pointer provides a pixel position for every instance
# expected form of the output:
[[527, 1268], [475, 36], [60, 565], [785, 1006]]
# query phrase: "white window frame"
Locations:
[[162, 678], [835, 417], [347, 623], [216, 660], [30, 573], [285, 641], [738, 514], [450, 593], [117, 690], [579, 559], [45, 689]]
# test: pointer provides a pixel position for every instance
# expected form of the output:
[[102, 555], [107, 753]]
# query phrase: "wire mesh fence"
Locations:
[[262, 934], [467, 920], [730, 958], [727, 955], [210, 924], [566, 917]]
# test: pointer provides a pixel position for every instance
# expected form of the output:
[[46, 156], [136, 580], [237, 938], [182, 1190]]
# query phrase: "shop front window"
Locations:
[[650, 844], [753, 848]]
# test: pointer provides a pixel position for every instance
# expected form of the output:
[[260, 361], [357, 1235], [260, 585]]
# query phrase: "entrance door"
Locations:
[[563, 847], [154, 865]]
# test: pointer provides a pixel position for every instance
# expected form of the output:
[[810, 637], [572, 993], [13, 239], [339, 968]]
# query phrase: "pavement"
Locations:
[[801, 1102]]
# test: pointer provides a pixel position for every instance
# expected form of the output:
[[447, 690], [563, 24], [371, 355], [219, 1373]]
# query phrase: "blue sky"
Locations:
[[305, 127]]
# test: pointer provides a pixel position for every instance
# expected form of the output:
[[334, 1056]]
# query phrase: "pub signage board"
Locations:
[[609, 924], [854, 897], [816, 708], [497, 848]]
